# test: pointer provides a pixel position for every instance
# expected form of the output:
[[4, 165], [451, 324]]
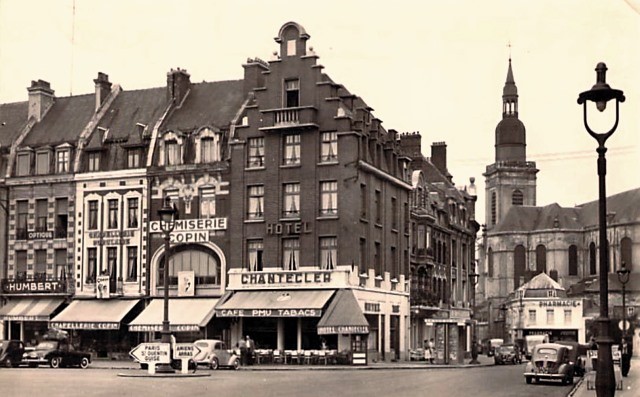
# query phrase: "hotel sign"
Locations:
[[343, 329], [288, 278], [32, 287]]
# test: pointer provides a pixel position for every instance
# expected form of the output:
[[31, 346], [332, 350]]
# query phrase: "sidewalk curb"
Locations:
[[576, 387], [322, 368]]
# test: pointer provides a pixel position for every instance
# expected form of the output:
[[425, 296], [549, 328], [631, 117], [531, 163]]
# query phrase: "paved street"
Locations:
[[493, 381]]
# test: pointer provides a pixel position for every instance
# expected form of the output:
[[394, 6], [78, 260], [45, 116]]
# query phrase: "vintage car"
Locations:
[[550, 361], [56, 353], [507, 353], [11, 352], [490, 345], [577, 356], [214, 353]]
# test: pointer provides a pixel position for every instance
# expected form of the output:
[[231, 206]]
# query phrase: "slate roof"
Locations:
[[63, 123], [626, 206], [214, 104], [591, 284], [541, 282], [526, 218], [13, 118]]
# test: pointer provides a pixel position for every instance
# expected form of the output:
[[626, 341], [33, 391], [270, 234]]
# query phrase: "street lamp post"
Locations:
[[600, 94], [503, 316], [623, 277], [473, 279], [168, 215]]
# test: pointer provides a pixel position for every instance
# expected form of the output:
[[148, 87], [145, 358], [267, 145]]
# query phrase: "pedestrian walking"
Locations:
[[625, 356], [242, 345], [431, 349], [251, 350]]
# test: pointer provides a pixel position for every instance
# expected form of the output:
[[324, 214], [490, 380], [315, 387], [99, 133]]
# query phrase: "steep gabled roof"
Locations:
[[63, 123], [214, 104], [13, 118], [626, 206], [526, 219]]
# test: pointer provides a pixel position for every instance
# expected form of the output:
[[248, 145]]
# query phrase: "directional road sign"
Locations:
[[152, 353]]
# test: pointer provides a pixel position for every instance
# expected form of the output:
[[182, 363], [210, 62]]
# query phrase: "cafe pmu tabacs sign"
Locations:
[[191, 230]]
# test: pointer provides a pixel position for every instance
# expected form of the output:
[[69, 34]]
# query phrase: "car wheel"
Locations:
[[236, 364], [528, 379], [55, 362], [84, 363], [7, 362], [214, 363]]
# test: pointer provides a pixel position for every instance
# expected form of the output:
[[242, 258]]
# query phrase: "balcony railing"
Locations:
[[304, 116]]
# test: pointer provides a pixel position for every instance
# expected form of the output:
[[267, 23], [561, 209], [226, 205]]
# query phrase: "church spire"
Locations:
[[510, 95]]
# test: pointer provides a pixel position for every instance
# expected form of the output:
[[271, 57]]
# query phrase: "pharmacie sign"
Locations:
[[560, 303], [32, 287], [191, 230], [274, 278]]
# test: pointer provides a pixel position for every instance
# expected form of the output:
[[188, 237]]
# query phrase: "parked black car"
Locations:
[[56, 353], [11, 352]]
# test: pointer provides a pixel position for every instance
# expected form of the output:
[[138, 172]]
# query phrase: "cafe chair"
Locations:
[[277, 357]]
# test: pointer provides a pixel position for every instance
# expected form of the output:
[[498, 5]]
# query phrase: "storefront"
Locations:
[[27, 319], [97, 325], [190, 319], [450, 339]]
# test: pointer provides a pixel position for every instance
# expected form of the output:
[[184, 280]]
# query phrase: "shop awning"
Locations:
[[185, 315], [97, 314], [343, 316], [288, 303], [29, 309]]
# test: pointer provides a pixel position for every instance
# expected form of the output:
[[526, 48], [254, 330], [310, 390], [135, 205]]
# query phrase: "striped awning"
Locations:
[[185, 315], [95, 314], [29, 309]]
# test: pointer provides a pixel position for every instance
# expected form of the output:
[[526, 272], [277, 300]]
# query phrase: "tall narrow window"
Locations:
[[92, 263], [172, 150], [292, 93], [625, 252], [132, 212], [541, 259], [112, 258], [41, 215], [93, 214], [490, 270], [61, 263], [550, 319], [567, 317], [329, 147], [62, 216], [329, 198], [377, 259], [291, 200], [363, 254], [328, 253], [94, 161], [133, 158], [255, 249], [21, 221], [256, 202], [113, 214], [520, 265], [378, 206], [62, 161], [42, 163], [40, 265], [573, 260], [593, 269], [207, 150], [394, 213], [208, 202], [23, 167], [132, 263], [255, 158], [290, 254], [291, 149], [517, 198], [532, 317], [494, 218], [364, 201]]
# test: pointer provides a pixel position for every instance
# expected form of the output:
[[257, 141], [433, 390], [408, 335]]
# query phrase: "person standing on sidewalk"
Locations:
[[242, 345], [625, 356]]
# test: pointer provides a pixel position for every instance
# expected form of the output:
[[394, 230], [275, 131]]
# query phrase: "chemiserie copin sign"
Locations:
[[191, 230]]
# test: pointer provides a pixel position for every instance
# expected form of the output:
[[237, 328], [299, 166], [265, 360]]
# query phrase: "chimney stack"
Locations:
[[41, 98], [254, 73], [410, 144], [439, 156], [178, 84], [103, 89]]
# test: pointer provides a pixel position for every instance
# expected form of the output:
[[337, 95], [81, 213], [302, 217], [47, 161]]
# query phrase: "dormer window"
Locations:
[[292, 93], [94, 161], [291, 48], [133, 158], [171, 151], [42, 162], [62, 161], [23, 166]]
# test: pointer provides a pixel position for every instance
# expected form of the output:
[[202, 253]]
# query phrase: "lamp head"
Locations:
[[623, 274], [167, 214], [473, 278], [601, 92]]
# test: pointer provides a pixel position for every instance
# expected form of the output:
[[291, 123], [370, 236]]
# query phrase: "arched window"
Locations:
[[490, 262], [204, 263], [625, 252], [592, 259], [520, 265], [573, 260], [541, 259], [517, 198]]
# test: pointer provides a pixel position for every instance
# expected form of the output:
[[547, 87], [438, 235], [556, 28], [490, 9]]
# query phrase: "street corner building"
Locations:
[[302, 221]]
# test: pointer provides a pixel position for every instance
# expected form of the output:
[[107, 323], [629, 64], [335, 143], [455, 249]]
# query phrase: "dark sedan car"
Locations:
[[11, 352], [56, 354], [508, 353]]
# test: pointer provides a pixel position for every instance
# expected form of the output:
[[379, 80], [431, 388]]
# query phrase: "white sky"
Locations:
[[433, 66]]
